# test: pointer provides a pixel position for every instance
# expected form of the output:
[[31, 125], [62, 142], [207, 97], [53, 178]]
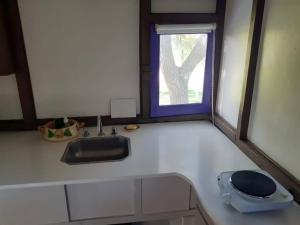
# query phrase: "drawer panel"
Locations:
[[99, 200], [34, 205], [165, 194]]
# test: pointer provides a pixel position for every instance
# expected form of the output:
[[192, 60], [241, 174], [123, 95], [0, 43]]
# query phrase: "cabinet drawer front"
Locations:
[[104, 199], [165, 194], [37, 205]]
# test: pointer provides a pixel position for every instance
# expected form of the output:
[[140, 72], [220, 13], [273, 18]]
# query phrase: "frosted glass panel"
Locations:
[[236, 32], [10, 107], [275, 124], [183, 6]]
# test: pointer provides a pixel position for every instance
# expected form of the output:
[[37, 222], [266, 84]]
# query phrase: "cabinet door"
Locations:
[[104, 199], [165, 194], [37, 205]]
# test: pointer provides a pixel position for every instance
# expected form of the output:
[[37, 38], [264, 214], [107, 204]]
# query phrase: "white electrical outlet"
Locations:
[[123, 108]]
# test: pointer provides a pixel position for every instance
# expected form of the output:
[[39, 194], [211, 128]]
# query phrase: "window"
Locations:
[[181, 65]]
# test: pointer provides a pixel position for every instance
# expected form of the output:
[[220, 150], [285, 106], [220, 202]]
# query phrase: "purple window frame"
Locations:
[[183, 109]]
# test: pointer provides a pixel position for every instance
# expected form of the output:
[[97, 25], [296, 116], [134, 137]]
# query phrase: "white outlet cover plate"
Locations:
[[123, 108]]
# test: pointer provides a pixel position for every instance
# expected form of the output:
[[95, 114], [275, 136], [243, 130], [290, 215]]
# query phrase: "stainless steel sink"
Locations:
[[98, 149]]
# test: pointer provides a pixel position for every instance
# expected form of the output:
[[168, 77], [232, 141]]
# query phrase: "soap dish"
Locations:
[[131, 127]]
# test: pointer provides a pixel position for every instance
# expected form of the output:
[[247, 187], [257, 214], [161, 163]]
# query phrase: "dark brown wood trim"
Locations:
[[266, 163], [218, 44], [225, 127], [15, 125], [19, 125], [250, 70], [145, 11], [20, 61], [107, 120], [183, 18], [6, 63]]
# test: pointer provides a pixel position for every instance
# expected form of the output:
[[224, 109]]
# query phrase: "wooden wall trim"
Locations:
[[91, 121], [145, 11], [250, 69], [108, 121], [220, 11], [183, 18], [21, 68], [225, 127], [6, 64], [15, 125]]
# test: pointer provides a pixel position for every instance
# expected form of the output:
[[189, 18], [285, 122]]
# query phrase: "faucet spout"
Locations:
[[100, 131]]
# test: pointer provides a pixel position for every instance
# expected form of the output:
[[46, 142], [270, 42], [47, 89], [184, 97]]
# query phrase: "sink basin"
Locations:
[[98, 149]]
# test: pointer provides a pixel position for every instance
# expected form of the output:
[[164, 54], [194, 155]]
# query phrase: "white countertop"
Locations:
[[195, 150]]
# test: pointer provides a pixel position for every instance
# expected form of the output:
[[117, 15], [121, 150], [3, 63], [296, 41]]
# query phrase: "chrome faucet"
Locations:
[[100, 131]]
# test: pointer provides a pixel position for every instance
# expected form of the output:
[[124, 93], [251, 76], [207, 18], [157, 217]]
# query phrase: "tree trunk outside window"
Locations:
[[177, 77]]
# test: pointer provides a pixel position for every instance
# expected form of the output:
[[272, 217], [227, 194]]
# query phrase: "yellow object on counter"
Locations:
[[131, 127]]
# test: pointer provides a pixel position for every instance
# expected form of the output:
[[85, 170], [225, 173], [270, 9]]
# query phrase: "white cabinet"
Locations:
[[33, 205], [165, 194], [103, 199]]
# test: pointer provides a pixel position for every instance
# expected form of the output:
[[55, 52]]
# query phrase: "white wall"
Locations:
[[183, 6], [81, 54], [236, 32], [275, 123], [10, 107]]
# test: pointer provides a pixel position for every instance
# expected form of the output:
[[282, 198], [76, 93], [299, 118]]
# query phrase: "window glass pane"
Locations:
[[182, 67]]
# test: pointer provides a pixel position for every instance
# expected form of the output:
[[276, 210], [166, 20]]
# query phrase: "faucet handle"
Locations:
[[114, 131], [86, 133]]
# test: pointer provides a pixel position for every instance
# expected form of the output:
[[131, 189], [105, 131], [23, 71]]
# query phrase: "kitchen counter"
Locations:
[[197, 151]]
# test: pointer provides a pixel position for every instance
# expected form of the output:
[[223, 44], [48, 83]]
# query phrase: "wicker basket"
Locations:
[[56, 135]]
